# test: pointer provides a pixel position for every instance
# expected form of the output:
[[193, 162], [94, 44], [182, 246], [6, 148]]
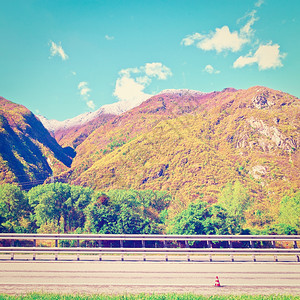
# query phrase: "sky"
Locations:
[[67, 57]]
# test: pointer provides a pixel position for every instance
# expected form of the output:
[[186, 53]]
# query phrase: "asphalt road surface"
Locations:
[[136, 276]]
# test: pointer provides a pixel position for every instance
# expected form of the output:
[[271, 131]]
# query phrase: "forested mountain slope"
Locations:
[[139, 120], [193, 147], [28, 154]]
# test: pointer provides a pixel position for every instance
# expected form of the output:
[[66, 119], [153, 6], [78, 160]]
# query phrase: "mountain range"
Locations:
[[189, 143]]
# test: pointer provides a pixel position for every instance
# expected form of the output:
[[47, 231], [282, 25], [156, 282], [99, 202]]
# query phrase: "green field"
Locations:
[[39, 296]]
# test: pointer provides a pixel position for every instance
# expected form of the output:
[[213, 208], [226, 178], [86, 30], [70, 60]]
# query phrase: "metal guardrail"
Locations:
[[147, 237], [164, 239]]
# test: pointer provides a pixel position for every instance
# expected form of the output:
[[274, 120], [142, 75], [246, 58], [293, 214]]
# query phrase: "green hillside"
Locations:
[[28, 154], [251, 136]]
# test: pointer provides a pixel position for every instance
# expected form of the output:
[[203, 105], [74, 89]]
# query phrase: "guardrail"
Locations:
[[159, 244]]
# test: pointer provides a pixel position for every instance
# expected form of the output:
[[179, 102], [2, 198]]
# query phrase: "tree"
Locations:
[[60, 205], [289, 211], [100, 216], [126, 211], [14, 209], [235, 199], [200, 218]]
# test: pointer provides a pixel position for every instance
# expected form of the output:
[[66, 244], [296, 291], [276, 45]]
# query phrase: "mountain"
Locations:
[[72, 132], [191, 144], [28, 153], [194, 144], [140, 119]]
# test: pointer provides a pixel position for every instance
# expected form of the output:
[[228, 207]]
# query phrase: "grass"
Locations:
[[46, 296]]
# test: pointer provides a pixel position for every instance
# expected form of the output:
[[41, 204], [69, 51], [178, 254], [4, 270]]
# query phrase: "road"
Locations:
[[22, 276]]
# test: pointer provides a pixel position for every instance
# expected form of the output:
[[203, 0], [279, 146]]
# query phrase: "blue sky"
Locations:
[[63, 58]]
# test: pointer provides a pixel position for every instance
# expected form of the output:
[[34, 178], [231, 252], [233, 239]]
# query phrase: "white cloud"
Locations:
[[109, 38], [128, 89], [132, 82], [91, 104], [242, 61], [211, 70], [247, 30], [267, 57], [190, 39], [144, 80], [82, 84], [84, 91], [222, 39], [56, 49], [157, 70], [259, 3], [128, 71], [74, 73]]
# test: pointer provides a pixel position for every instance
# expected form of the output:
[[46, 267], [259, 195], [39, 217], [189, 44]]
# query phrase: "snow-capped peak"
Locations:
[[53, 125], [116, 108], [182, 92]]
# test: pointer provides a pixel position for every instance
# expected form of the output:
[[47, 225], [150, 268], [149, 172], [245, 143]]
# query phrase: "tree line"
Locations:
[[64, 208]]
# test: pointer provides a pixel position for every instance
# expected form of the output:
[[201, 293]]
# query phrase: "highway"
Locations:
[[136, 276]]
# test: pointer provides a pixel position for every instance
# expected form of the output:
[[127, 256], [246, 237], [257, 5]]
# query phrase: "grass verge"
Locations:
[[46, 296]]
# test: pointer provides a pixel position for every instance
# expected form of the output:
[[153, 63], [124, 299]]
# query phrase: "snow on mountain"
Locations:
[[53, 125], [182, 92], [116, 108]]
